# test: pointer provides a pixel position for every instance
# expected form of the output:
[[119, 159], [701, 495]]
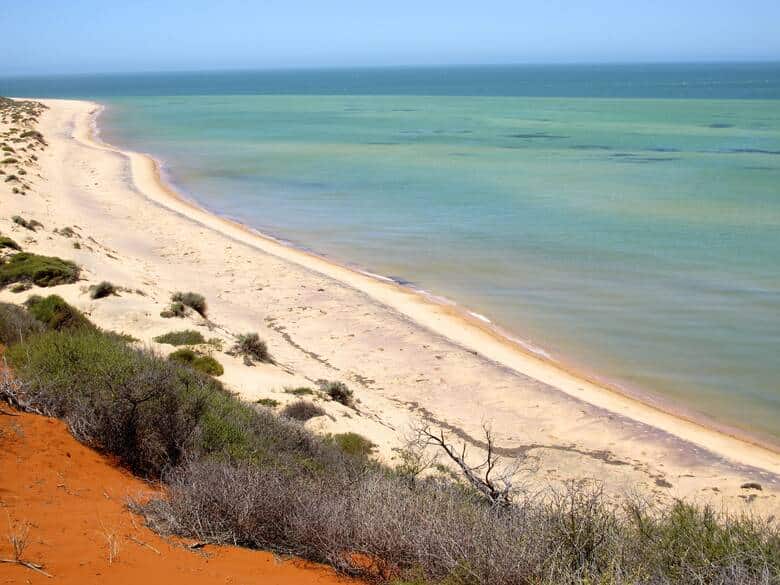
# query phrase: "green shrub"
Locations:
[[337, 391], [40, 270], [21, 287], [267, 402], [302, 410], [302, 391], [354, 444], [16, 324], [185, 337], [102, 290], [56, 314], [6, 242], [251, 347], [202, 363], [192, 300]]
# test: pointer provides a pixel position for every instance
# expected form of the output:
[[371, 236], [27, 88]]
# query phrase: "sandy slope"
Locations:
[[406, 358]]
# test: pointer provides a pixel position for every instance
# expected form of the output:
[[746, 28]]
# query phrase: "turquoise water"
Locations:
[[635, 238]]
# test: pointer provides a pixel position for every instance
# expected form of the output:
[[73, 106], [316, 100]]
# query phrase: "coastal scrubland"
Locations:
[[241, 474]]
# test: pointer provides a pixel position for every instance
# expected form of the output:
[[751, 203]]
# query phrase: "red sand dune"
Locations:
[[73, 500]]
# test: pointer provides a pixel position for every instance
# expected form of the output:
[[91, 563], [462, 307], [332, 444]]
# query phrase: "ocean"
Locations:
[[621, 220]]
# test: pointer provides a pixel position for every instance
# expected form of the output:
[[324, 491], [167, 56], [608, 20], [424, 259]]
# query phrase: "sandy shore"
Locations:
[[406, 357]]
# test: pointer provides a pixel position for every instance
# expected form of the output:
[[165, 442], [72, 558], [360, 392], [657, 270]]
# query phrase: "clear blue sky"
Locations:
[[80, 36]]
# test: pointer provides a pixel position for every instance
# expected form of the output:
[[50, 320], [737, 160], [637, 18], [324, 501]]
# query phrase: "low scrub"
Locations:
[[267, 402], [102, 290], [251, 348], [184, 337], [202, 363], [354, 444], [194, 301], [241, 475], [174, 310], [6, 242], [302, 410], [56, 314], [149, 411], [30, 224], [16, 324], [39, 270], [337, 391]]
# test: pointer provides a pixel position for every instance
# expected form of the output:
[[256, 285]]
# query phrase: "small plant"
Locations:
[[6, 242], [354, 444], [192, 300], [31, 224], [67, 232], [302, 391], [302, 410], [39, 270], [184, 337], [251, 347], [337, 391], [21, 287], [175, 310], [102, 290], [202, 363], [267, 402]]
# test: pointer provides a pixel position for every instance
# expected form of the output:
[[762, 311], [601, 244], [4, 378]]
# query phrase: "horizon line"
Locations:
[[291, 68]]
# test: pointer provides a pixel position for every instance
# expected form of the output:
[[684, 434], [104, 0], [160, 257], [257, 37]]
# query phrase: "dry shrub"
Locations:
[[302, 410]]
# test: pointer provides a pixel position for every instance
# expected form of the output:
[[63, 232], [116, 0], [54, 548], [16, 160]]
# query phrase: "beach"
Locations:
[[407, 357]]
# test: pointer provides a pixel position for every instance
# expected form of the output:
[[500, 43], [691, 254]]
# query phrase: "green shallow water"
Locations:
[[637, 240]]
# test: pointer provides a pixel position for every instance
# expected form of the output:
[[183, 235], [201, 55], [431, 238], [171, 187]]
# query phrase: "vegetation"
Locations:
[[102, 289], [202, 363], [175, 310], [16, 324], [31, 224], [242, 475], [267, 402], [337, 391], [6, 242], [302, 410], [39, 270], [354, 444], [252, 348], [192, 300], [301, 391], [56, 314], [184, 337]]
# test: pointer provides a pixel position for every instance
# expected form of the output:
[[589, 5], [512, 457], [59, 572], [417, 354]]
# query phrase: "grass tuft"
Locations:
[[202, 363], [184, 337]]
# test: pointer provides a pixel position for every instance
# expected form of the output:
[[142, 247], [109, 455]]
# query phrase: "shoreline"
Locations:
[[456, 324]]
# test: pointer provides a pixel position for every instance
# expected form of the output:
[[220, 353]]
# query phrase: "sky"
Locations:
[[104, 36]]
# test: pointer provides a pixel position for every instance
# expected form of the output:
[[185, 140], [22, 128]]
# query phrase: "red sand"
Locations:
[[73, 497]]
